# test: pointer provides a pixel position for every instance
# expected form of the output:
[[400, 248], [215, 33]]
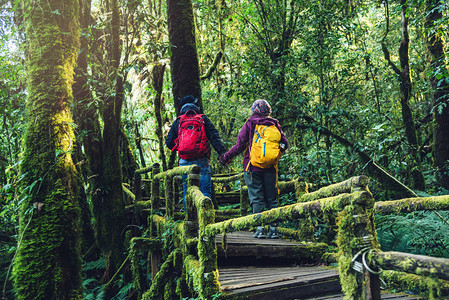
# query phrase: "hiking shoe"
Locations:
[[273, 232], [260, 233]]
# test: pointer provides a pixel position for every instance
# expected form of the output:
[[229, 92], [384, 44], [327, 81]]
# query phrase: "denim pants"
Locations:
[[205, 178], [262, 190]]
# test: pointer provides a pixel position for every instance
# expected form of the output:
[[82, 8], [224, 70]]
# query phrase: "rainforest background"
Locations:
[[89, 88]]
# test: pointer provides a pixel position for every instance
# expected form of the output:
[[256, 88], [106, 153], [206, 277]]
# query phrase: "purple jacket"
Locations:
[[245, 138]]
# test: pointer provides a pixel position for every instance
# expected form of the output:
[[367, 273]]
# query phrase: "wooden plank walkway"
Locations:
[[272, 280], [275, 281], [242, 244], [383, 297]]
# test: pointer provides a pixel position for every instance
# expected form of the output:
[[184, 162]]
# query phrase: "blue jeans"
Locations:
[[205, 178]]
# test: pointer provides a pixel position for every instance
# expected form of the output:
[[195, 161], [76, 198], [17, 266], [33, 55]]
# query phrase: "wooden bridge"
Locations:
[[208, 252]]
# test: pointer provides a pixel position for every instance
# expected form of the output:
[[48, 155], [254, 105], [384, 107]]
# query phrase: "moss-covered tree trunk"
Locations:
[[102, 147], [158, 80], [435, 48], [406, 91], [83, 117], [279, 28], [48, 264], [109, 212], [184, 60]]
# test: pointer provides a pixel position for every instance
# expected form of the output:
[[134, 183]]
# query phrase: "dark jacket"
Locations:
[[245, 138], [211, 132]]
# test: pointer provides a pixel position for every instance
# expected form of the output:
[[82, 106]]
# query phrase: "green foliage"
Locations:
[[324, 73], [419, 233]]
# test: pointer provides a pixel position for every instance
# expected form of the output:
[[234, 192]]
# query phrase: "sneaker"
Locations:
[[273, 232], [260, 233]]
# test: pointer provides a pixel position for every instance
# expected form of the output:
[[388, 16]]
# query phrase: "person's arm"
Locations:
[[172, 135], [239, 147], [213, 136]]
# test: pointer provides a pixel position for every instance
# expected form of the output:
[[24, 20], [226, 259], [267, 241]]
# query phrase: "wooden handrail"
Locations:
[[289, 212], [349, 201], [147, 169], [223, 179], [412, 204], [347, 186], [411, 263]]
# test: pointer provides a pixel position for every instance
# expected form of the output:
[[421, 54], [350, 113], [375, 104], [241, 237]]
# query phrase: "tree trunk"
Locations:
[[184, 60], [102, 149], [128, 161], [48, 263], [83, 118], [406, 87], [435, 48], [110, 210], [158, 80], [139, 146]]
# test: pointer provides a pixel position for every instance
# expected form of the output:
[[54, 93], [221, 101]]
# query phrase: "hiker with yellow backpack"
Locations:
[[262, 138]]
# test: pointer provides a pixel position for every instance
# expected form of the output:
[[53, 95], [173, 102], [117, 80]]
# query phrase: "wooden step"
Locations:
[[295, 283], [242, 244], [277, 282], [384, 296]]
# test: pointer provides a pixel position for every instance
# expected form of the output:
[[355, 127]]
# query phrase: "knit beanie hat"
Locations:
[[189, 106], [189, 99], [261, 107]]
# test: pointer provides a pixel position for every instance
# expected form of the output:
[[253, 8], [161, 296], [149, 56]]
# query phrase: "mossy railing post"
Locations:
[[213, 195], [193, 179], [138, 196], [301, 188], [156, 255], [155, 188], [244, 199], [137, 186], [177, 185], [169, 202], [356, 236], [207, 247]]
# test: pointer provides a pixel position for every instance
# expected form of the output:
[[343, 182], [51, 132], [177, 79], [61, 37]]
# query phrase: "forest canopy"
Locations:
[[89, 89]]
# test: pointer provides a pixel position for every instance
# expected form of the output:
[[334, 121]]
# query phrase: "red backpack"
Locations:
[[192, 140]]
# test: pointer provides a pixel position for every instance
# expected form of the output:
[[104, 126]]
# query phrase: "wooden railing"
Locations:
[[187, 241]]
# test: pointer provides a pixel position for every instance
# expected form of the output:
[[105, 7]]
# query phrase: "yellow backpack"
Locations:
[[264, 150]]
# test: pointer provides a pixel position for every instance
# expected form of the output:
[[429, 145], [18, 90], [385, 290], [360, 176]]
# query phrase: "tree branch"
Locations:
[[213, 66], [387, 180]]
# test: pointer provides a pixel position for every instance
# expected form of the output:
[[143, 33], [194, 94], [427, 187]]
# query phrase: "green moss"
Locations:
[[48, 265], [353, 184], [157, 289], [136, 270], [354, 221], [345, 242], [412, 204], [426, 286]]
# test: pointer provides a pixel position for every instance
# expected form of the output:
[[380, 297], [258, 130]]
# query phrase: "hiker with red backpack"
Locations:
[[191, 135], [264, 141]]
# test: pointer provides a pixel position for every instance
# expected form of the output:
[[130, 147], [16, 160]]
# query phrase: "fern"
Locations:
[[419, 233]]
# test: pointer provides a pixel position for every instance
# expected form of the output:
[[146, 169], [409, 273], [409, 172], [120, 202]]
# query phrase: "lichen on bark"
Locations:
[[48, 263]]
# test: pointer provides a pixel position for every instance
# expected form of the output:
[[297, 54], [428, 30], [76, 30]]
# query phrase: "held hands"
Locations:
[[282, 147], [224, 159]]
